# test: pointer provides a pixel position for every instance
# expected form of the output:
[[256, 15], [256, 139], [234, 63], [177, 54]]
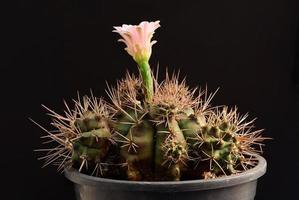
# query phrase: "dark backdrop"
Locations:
[[54, 48]]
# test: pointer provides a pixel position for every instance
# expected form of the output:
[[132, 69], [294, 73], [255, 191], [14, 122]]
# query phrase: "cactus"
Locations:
[[224, 143], [93, 144], [151, 130]]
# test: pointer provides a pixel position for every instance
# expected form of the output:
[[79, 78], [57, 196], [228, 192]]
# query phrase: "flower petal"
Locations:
[[138, 38]]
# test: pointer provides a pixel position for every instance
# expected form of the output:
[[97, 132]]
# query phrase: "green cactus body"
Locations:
[[171, 151], [124, 121], [93, 144], [190, 127], [165, 140], [137, 151], [218, 146]]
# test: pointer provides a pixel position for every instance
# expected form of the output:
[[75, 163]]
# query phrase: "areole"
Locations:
[[240, 186]]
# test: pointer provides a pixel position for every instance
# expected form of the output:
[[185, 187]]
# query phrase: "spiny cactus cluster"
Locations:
[[152, 131]]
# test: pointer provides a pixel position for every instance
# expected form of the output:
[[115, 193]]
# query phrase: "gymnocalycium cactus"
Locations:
[[151, 130]]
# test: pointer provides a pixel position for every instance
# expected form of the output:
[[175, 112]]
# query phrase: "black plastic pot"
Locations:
[[235, 187]]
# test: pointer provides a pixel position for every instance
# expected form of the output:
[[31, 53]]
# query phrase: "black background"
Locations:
[[54, 48]]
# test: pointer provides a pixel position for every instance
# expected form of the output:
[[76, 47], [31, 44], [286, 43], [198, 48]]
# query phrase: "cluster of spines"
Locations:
[[224, 145], [83, 135], [177, 133]]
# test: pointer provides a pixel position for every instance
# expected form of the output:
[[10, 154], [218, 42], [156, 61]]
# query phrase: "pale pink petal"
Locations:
[[138, 38]]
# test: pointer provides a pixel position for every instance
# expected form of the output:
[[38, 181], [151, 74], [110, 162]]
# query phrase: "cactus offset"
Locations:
[[224, 144], [151, 131], [92, 146]]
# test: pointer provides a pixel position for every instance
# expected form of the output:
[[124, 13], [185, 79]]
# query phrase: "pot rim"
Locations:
[[173, 186]]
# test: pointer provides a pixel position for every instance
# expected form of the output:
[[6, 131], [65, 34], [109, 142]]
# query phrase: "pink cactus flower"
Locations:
[[138, 39]]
